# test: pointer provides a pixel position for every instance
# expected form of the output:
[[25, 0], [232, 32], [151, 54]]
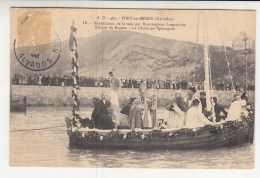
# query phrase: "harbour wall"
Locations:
[[61, 96]]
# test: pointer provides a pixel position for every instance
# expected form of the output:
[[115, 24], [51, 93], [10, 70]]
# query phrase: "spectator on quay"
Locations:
[[12, 80], [40, 80], [174, 85], [36, 79], [222, 86], [237, 86]]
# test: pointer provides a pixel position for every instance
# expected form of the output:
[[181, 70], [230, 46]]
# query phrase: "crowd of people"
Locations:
[[225, 86], [87, 81]]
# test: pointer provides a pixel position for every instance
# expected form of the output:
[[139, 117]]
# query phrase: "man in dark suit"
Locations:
[[101, 114], [203, 101], [218, 109]]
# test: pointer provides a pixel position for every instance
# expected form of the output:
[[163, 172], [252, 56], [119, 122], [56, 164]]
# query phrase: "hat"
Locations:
[[192, 89], [73, 28], [203, 93]]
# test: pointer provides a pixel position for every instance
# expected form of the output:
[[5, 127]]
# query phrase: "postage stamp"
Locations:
[[36, 47]]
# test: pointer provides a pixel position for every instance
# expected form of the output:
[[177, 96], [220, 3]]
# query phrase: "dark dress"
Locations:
[[101, 117]]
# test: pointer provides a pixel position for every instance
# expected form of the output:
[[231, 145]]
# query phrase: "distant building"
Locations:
[[239, 44]]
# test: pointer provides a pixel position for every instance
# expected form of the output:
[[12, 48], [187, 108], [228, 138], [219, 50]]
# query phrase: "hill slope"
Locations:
[[139, 55]]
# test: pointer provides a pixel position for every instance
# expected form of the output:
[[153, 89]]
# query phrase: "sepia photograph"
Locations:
[[132, 88]]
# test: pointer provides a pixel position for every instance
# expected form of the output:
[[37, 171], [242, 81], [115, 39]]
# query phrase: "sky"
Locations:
[[220, 24]]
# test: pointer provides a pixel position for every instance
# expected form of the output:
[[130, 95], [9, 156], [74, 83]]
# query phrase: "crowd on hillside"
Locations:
[[87, 81]]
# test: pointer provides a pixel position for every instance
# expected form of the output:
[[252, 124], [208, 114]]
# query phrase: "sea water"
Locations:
[[39, 138]]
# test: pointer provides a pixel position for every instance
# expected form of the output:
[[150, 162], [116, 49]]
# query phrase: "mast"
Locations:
[[74, 71], [196, 50], [206, 63], [245, 52]]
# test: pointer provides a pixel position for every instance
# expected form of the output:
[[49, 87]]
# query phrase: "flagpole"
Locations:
[[74, 72]]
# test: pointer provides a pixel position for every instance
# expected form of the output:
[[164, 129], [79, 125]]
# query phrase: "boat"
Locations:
[[221, 134], [18, 105], [230, 133]]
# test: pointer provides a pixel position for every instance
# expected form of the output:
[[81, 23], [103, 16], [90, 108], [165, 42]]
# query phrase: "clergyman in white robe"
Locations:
[[234, 111], [194, 116]]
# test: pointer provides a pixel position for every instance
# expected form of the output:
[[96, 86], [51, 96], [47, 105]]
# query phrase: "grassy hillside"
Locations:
[[139, 55]]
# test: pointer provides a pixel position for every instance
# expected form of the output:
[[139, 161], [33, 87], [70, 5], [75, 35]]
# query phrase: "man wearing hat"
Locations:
[[234, 111]]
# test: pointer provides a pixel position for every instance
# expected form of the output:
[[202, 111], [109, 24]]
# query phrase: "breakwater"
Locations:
[[61, 96]]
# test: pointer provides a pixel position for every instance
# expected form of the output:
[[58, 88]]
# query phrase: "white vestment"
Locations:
[[194, 118], [234, 111], [176, 117], [115, 106]]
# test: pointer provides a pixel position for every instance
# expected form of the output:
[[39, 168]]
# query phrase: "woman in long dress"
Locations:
[[194, 117]]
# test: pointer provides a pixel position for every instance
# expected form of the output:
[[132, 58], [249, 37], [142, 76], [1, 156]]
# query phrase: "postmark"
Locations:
[[36, 48]]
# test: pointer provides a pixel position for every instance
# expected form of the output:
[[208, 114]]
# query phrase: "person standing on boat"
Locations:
[[114, 98], [191, 96], [194, 117], [153, 111], [135, 115], [146, 105], [203, 101], [146, 115], [125, 111], [189, 101], [218, 109], [101, 114], [234, 111], [177, 111]]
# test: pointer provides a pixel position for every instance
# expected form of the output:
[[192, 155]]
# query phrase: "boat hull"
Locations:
[[206, 140]]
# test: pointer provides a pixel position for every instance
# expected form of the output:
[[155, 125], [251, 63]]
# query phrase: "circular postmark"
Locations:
[[38, 57]]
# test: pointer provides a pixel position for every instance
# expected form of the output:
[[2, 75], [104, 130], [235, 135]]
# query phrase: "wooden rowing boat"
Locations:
[[229, 133]]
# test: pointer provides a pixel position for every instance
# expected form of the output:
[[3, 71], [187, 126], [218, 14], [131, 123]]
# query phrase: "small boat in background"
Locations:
[[17, 104]]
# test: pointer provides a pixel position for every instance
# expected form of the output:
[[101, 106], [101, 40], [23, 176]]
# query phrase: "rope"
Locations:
[[225, 50], [44, 128], [196, 47]]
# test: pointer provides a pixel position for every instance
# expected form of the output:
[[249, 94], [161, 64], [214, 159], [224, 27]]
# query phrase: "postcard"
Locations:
[[132, 88]]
